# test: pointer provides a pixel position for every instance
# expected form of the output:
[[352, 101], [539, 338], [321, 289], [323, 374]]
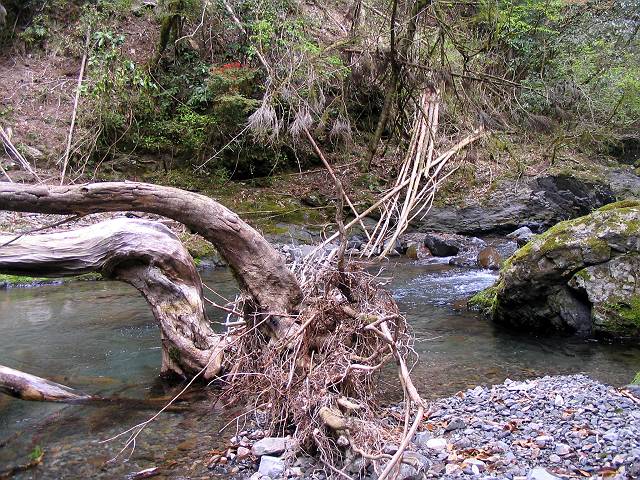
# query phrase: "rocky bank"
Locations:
[[542, 429]]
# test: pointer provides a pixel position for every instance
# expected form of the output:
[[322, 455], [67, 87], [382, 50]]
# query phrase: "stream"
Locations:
[[101, 337]]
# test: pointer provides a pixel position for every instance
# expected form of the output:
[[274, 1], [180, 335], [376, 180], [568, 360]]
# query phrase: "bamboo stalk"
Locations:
[[65, 158]]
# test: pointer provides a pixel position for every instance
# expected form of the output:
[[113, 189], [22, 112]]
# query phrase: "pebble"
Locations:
[[271, 466], [437, 444]]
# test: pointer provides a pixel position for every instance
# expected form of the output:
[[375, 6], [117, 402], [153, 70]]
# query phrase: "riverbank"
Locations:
[[544, 428]]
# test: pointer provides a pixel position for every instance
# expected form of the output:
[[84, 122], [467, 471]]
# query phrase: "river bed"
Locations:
[[101, 337]]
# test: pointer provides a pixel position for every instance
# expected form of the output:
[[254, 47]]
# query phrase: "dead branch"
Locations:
[[83, 64], [259, 268], [29, 387]]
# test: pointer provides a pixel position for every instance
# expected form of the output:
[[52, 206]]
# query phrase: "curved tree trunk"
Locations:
[[259, 269], [148, 256]]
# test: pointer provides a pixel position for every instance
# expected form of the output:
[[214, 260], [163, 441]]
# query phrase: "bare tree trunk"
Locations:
[[258, 267], [148, 256], [29, 387]]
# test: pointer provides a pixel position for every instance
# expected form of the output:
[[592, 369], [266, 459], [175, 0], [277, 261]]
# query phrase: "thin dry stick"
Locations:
[[12, 151], [335, 179], [65, 158], [44, 227]]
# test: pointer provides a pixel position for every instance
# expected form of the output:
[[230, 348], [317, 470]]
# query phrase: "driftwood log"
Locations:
[[144, 254], [29, 387], [258, 267]]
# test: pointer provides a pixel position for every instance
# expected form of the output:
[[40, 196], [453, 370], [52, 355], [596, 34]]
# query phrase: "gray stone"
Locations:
[[540, 474], [455, 424], [436, 444], [521, 235], [271, 446], [271, 466], [243, 453], [421, 438], [538, 204]]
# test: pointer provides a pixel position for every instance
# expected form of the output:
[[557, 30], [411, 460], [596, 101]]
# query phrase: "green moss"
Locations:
[[620, 317], [198, 247], [584, 274], [636, 379], [26, 281], [620, 204], [627, 310], [486, 300]]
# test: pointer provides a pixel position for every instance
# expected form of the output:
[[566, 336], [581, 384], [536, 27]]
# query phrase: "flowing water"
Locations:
[[101, 337]]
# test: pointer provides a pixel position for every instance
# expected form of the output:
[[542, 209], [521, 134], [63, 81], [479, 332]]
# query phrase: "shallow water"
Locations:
[[101, 337]]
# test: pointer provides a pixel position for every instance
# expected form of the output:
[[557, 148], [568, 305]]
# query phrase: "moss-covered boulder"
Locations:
[[581, 276]]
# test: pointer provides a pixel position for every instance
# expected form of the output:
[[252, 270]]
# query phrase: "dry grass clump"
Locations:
[[317, 379]]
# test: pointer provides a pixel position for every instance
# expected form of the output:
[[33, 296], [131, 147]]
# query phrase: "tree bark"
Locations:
[[148, 256], [258, 267]]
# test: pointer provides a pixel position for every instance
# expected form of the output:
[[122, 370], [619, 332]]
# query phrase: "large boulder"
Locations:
[[538, 203], [582, 276]]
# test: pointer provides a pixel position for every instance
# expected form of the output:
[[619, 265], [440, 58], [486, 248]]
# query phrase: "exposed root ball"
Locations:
[[317, 381]]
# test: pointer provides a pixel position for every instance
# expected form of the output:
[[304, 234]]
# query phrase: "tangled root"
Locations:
[[317, 381]]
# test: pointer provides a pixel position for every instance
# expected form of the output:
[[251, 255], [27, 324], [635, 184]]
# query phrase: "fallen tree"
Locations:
[[313, 339], [144, 254]]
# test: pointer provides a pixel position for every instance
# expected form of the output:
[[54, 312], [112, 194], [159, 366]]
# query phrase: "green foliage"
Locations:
[[37, 33], [36, 454]]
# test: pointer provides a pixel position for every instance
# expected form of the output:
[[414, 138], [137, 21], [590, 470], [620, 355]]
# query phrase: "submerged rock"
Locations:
[[582, 276]]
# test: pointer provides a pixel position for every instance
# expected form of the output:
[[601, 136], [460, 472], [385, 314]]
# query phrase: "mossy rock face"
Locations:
[[581, 276], [485, 300]]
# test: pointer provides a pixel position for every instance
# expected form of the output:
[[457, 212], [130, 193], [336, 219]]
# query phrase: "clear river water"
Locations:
[[101, 337]]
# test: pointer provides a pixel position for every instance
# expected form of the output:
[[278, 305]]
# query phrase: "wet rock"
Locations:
[[356, 242], [271, 466], [271, 446], [412, 251], [490, 258], [579, 277], [441, 246], [521, 235]]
